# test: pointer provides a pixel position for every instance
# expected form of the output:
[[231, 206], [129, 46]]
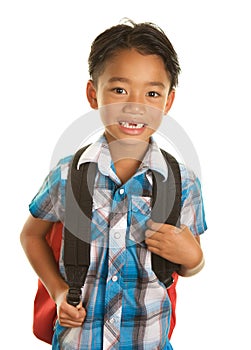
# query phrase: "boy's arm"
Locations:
[[178, 245], [34, 243], [40, 255]]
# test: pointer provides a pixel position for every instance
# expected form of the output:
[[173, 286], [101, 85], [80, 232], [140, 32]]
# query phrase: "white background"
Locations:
[[43, 73]]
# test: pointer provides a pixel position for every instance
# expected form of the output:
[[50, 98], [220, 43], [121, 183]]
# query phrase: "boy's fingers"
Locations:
[[71, 316], [152, 243], [72, 311], [153, 235], [162, 228], [149, 233], [154, 226], [65, 322]]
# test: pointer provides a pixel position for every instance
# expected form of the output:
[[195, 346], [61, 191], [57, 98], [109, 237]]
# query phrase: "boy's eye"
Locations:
[[153, 94], [119, 90]]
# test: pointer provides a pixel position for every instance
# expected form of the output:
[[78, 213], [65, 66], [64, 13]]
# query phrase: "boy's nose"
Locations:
[[134, 108]]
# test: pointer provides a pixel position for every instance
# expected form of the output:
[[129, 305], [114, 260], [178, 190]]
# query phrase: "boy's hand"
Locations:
[[174, 244], [68, 315]]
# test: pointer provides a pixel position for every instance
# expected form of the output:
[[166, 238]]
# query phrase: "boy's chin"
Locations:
[[127, 141], [133, 141]]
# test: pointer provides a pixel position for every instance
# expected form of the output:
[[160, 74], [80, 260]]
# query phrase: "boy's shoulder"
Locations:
[[60, 170], [62, 162], [190, 182], [187, 174]]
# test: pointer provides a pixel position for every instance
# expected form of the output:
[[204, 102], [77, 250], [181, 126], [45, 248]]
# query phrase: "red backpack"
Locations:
[[45, 312]]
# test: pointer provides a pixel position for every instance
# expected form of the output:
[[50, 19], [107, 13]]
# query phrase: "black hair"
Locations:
[[147, 38]]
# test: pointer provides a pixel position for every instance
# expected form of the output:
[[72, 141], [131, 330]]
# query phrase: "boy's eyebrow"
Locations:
[[123, 80], [126, 80], [157, 83]]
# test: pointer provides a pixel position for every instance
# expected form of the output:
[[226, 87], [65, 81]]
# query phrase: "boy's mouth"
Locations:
[[130, 125]]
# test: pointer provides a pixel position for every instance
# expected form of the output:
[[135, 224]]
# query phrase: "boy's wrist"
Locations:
[[59, 291], [186, 272]]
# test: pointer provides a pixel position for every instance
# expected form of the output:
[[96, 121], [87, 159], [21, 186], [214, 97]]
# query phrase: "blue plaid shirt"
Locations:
[[127, 306]]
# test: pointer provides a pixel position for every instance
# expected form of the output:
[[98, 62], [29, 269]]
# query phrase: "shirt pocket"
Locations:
[[140, 213]]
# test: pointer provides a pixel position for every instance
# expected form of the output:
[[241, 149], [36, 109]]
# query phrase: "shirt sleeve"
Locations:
[[192, 206], [49, 202]]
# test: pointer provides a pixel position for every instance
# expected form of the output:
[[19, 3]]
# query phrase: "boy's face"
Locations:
[[132, 95]]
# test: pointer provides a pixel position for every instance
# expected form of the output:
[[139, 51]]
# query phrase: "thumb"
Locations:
[[81, 311], [79, 306]]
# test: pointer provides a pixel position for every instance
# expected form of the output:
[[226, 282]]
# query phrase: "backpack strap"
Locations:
[[78, 214], [79, 192], [166, 208]]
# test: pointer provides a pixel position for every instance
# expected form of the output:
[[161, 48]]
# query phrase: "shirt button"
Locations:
[[117, 235], [114, 278], [112, 320], [121, 191]]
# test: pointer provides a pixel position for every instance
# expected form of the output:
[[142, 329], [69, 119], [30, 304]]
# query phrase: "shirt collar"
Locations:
[[154, 160], [98, 152]]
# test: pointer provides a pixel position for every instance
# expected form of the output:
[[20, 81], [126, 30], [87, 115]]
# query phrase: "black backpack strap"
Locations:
[[77, 227], [166, 208]]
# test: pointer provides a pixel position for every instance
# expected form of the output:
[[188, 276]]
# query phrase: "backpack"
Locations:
[[79, 191]]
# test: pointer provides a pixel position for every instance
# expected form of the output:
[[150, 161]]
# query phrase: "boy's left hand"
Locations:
[[175, 244]]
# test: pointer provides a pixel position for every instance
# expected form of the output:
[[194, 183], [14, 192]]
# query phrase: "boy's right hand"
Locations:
[[68, 315]]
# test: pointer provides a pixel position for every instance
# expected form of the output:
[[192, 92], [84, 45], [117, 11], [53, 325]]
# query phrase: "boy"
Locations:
[[134, 70]]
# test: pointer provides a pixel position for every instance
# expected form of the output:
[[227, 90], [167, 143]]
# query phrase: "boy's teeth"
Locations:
[[131, 125]]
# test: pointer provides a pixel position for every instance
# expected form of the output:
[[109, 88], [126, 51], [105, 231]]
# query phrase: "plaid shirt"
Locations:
[[127, 307]]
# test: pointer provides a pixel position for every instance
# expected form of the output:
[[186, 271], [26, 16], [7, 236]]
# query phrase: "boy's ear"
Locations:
[[169, 101], [91, 94]]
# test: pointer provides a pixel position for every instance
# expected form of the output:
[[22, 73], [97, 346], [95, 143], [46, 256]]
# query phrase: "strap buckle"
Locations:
[[168, 282], [73, 296]]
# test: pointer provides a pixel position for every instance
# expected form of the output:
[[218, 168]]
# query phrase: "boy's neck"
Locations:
[[127, 156], [126, 168]]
